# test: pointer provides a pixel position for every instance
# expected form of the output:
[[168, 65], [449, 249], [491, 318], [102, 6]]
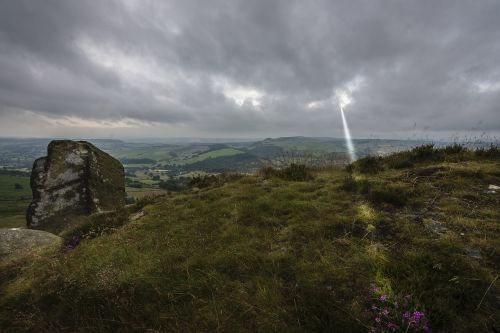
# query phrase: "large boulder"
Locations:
[[16, 242], [75, 178]]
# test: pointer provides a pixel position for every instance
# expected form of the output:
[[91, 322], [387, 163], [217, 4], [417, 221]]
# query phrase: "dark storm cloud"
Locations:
[[254, 67]]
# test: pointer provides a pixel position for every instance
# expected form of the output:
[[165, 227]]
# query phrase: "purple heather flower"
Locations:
[[383, 297], [374, 307], [385, 312], [417, 316], [392, 326], [378, 319], [406, 315]]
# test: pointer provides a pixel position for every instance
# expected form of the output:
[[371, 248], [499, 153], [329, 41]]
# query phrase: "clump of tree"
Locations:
[[174, 184], [133, 183], [126, 160]]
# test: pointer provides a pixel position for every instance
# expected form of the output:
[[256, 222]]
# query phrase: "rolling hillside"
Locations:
[[409, 241]]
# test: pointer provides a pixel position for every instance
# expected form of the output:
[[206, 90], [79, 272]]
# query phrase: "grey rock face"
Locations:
[[16, 242], [75, 178]]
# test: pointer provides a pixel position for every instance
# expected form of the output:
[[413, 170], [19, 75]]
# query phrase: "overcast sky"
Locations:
[[267, 68]]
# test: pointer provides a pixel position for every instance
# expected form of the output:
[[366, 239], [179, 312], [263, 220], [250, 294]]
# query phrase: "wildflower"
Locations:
[[392, 326], [417, 316], [387, 310]]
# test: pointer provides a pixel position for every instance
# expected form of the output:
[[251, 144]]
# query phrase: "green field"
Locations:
[[14, 202], [209, 154], [155, 153]]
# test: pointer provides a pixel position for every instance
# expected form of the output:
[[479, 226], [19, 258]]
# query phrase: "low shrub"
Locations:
[[213, 180], [370, 165], [492, 152], [429, 153], [400, 160], [454, 149], [424, 153], [203, 181], [267, 172], [293, 172], [297, 172]]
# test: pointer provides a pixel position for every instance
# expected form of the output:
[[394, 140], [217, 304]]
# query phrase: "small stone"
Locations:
[[493, 187]]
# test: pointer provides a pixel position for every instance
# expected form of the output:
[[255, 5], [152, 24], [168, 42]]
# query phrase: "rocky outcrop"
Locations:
[[75, 178], [16, 242]]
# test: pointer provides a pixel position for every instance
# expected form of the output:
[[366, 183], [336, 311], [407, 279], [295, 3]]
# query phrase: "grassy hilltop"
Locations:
[[385, 240]]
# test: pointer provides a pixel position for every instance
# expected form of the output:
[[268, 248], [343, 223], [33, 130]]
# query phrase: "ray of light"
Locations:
[[348, 140]]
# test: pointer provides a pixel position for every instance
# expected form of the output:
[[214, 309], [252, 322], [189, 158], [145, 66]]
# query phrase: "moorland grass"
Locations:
[[270, 254]]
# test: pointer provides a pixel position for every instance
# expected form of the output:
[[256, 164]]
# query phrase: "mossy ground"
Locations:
[[259, 255]]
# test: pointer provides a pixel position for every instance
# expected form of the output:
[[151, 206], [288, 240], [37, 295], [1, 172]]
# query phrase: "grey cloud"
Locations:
[[422, 62]]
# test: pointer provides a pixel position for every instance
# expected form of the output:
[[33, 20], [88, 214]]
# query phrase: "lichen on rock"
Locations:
[[75, 178]]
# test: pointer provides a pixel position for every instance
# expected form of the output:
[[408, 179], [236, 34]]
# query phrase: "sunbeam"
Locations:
[[347, 134]]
